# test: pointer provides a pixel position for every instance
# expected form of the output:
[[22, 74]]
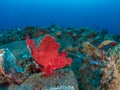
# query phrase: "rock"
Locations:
[[88, 33], [19, 29], [116, 52], [89, 49], [98, 38], [9, 70], [65, 38], [60, 80], [19, 48], [3, 79], [72, 49], [106, 43], [99, 75], [108, 37], [1, 35], [8, 62], [116, 37], [54, 28], [25, 56]]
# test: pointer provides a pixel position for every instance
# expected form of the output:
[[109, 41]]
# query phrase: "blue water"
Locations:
[[97, 14]]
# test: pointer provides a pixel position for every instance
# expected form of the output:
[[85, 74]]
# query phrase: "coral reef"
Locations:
[[95, 59], [98, 74], [116, 52]]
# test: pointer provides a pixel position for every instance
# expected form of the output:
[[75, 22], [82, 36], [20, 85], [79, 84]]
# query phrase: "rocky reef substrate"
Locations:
[[95, 56]]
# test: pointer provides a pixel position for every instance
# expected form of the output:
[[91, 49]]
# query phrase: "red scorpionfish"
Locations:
[[47, 55]]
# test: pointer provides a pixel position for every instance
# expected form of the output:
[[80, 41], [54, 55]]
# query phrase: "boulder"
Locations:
[[60, 80]]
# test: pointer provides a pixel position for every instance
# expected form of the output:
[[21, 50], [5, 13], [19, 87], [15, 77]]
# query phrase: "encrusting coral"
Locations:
[[98, 51], [106, 42], [116, 52], [101, 72], [89, 49], [47, 55]]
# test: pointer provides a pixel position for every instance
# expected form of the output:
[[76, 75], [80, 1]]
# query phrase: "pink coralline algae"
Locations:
[[47, 55]]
